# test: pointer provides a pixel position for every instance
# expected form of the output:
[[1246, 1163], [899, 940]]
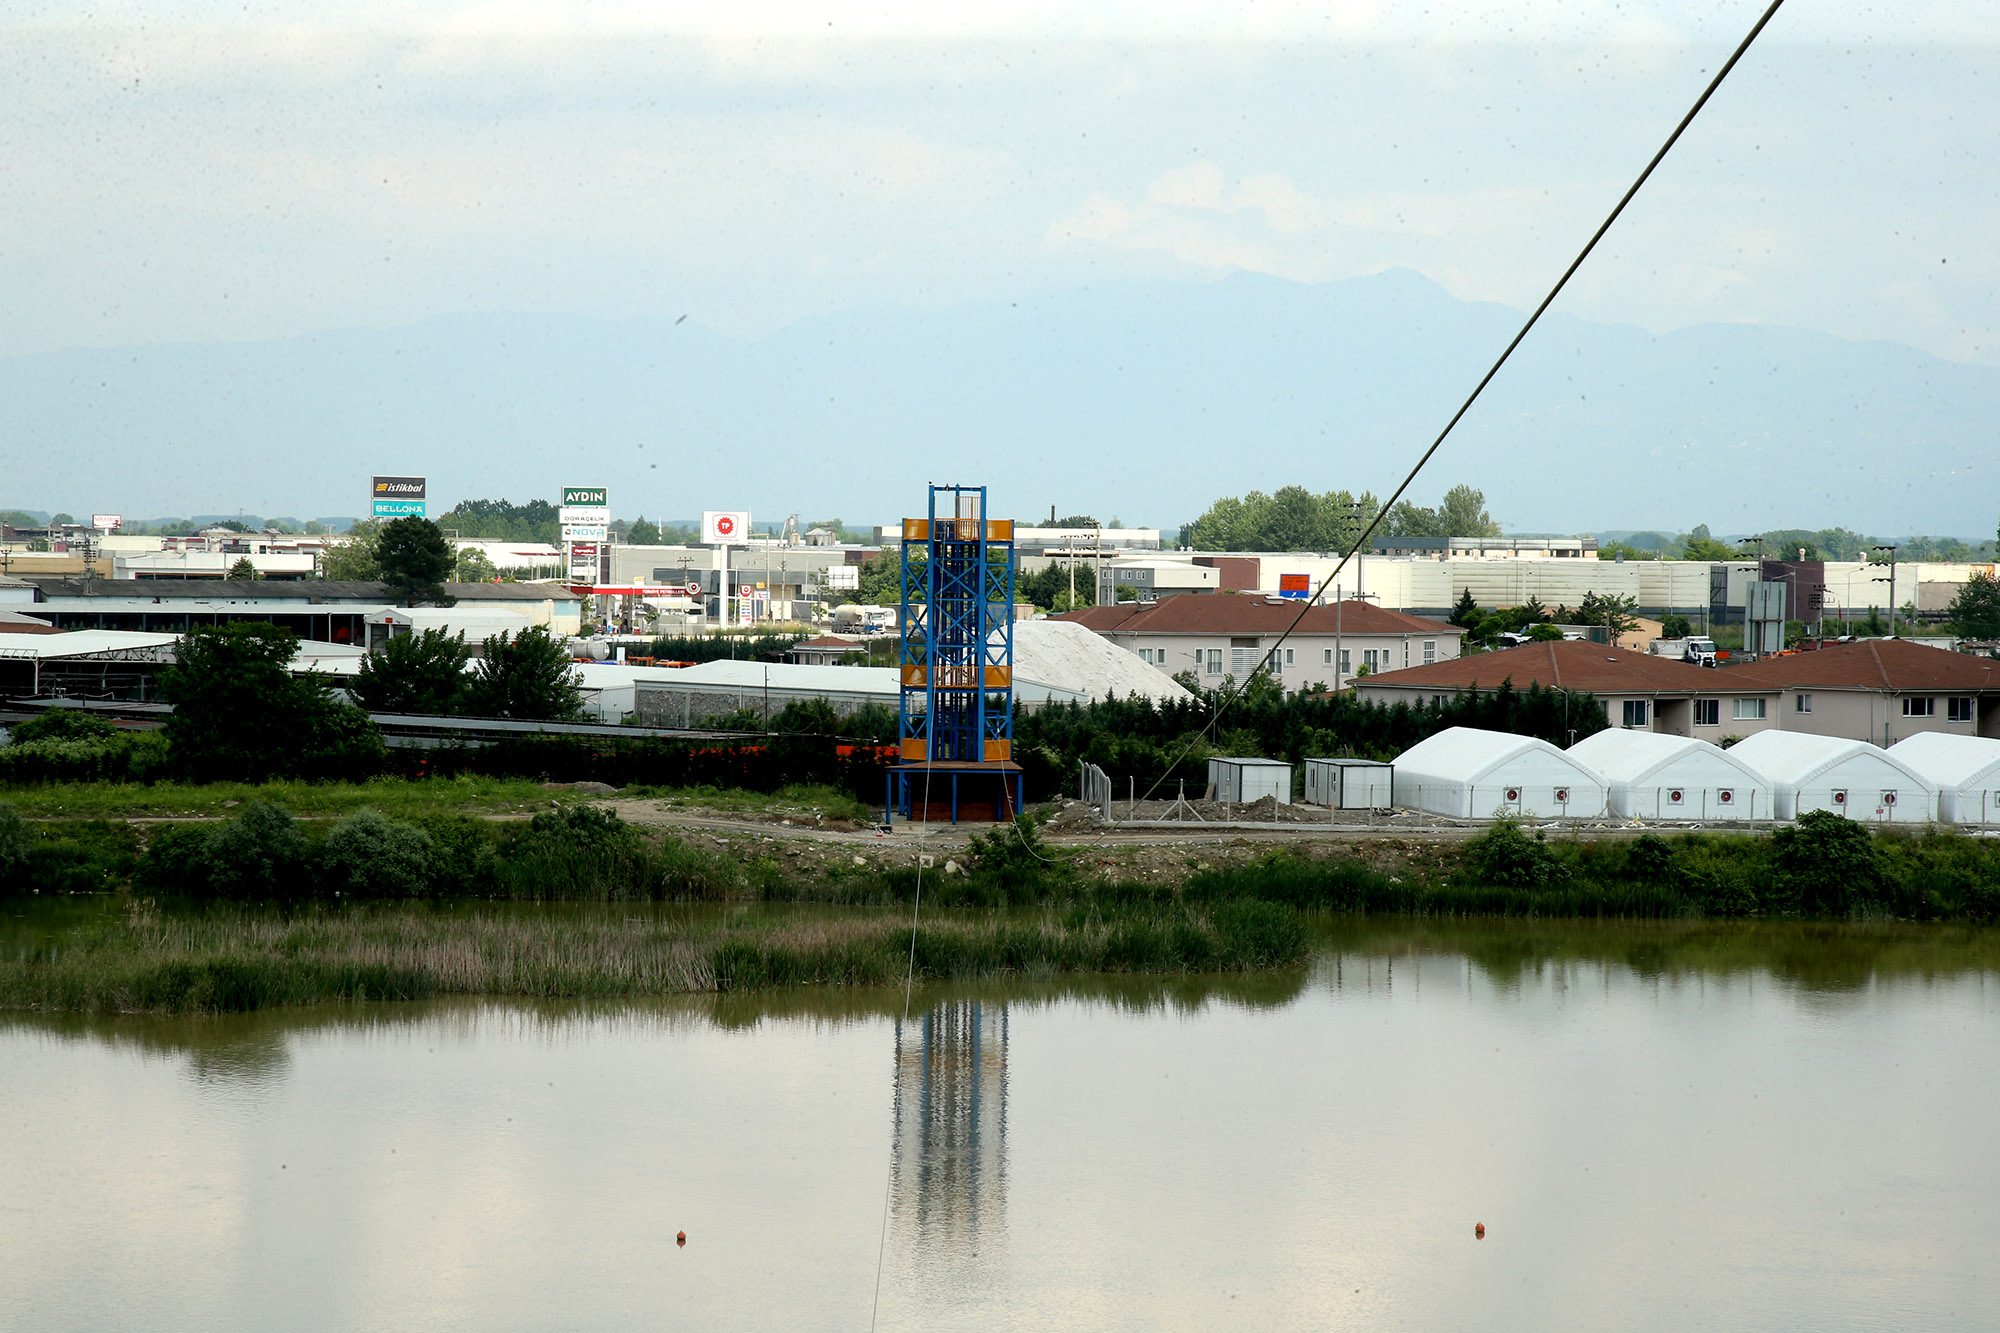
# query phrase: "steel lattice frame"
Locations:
[[956, 626]]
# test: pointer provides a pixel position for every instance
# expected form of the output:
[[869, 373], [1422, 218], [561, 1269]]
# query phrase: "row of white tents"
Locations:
[[1467, 773]]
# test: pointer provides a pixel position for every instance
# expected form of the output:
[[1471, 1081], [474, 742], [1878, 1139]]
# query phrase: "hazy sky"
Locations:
[[208, 171]]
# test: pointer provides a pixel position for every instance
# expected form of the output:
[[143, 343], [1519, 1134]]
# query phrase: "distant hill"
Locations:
[[1140, 401]]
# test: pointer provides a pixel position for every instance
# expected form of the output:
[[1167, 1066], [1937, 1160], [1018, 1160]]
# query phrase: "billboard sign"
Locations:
[[584, 532], [1295, 585], [107, 522], [844, 578], [583, 561], [595, 496], [571, 514], [725, 527], [398, 497]]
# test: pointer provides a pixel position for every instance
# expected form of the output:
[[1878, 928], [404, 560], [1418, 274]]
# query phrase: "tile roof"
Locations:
[[1220, 613], [1570, 665], [1876, 664]]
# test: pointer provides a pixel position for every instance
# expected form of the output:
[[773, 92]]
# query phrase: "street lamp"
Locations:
[[1890, 547]]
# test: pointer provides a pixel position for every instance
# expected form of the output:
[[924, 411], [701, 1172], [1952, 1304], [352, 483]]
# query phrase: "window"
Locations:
[[1328, 661], [1749, 710], [1635, 712], [1212, 661], [1430, 651], [1925, 707], [1707, 712], [1958, 710], [1243, 661], [1272, 662], [1802, 703], [1375, 658], [1346, 661], [1289, 659]]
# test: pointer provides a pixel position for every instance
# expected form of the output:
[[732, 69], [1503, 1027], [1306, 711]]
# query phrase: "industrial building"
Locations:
[[315, 609]]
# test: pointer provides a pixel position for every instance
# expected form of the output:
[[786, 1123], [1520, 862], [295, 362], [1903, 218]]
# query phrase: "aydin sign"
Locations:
[[591, 496], [725, 527]]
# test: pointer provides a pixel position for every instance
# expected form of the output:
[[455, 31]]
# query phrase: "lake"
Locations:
[[1660, 1126]]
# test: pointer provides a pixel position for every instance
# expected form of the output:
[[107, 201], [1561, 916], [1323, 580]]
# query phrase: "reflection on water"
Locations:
[[948, 1171], [1299, 1149]]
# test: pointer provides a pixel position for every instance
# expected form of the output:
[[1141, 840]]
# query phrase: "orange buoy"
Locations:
[[681, 1237], [1479, 1230]]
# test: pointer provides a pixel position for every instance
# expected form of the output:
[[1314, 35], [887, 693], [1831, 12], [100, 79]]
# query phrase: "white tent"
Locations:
[[1965, 770], [1651, 775], [1851, 778], [1473, 774]]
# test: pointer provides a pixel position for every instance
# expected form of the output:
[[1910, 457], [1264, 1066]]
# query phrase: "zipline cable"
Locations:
[[1361, 541]]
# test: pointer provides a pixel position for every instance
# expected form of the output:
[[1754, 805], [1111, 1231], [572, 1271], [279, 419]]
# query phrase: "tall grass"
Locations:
[[231, 959], [394, 797]]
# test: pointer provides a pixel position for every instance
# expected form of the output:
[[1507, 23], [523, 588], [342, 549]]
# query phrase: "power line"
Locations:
[[1362, 541]]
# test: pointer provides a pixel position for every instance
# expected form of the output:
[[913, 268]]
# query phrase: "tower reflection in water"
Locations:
[[949, 1167]]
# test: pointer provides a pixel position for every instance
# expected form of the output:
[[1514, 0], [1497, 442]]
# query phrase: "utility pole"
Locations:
[[1339, 610]]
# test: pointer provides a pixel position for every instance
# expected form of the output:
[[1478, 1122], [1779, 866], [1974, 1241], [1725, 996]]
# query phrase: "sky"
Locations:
[[194, 171]]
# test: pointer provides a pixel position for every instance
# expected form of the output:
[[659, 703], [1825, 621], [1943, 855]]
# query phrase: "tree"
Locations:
[[415, 561], [474, 567], [1617, 614], [415, 673], [1048, 587], [242, 570], [642, 533], [241, 715], [354, 559], [1463, 514], [1545, 633], [1464, 612], [526, 675], [1675, 627], [1975, 612], [1290, 519], [1700, 545]]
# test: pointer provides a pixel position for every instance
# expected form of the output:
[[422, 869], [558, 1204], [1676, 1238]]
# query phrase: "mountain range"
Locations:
[[1144, 401]]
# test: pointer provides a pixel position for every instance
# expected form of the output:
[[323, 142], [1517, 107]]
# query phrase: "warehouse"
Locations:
[[1851, 778], [1650, 775], [1472, 774]]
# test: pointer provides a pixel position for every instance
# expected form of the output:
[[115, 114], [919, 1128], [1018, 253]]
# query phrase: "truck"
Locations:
[[1698, 651]]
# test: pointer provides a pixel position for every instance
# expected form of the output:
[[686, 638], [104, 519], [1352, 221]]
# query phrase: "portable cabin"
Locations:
[[1651, 775], [1472, 774], [1965, 770], [1350, 784], [1241, 781], [1851, 778]]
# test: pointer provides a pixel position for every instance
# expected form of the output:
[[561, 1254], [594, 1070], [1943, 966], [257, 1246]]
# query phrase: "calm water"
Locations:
[[1660, 1127]]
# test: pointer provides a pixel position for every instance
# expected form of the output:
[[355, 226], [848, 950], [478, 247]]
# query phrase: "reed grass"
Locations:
[[233, 960]]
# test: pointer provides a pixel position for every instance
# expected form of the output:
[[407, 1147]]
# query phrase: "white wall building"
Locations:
[[1651, 775], [1965, 770], [1468, 773], [1847, 777]]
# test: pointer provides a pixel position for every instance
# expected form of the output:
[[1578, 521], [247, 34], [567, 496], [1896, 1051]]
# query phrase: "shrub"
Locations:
[[261, 853], [1650, 859], [367, 856], [13, 849], [463, 862], [176, 860], [1825, 863], [1507, 857], [64, 724]]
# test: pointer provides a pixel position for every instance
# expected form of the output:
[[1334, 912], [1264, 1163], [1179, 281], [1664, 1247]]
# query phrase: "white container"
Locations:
[[1241, 781], [1350, 784]]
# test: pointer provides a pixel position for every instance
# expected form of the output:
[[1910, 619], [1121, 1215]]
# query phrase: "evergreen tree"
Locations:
[[415, 561]]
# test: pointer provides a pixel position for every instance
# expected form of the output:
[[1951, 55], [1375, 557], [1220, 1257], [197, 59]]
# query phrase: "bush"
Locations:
[[463, 861], [1507, 857], [64, 724], [1825, 863], [367, 856], [13, 849], [176, 860], [261, 853]]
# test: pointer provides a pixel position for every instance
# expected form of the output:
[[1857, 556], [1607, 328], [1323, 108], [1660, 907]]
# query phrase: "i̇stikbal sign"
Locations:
[[398, 497]]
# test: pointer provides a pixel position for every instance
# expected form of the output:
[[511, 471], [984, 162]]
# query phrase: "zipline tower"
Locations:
[[956, 706]]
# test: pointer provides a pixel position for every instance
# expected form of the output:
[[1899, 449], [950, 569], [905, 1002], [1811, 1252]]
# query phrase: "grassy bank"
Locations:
[[166, 800], [234, 960]]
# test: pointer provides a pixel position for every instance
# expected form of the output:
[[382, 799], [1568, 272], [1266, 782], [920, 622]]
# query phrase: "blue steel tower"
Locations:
[[956, 706]]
